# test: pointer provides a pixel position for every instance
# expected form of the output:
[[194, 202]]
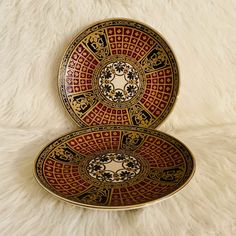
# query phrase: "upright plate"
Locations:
[[118, 72], [114, 167]]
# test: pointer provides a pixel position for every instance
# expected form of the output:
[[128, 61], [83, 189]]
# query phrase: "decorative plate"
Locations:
[[114, 167], [118, 72]]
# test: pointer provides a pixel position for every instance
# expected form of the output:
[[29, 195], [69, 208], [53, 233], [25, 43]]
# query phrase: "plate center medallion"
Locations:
[[114, 167], [119, 81]]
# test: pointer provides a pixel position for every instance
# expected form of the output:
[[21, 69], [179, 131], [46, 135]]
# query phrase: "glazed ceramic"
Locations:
[[118, 72], [114, 167]]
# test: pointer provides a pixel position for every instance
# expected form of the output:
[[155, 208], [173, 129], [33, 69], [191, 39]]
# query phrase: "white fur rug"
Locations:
[[34, 35]]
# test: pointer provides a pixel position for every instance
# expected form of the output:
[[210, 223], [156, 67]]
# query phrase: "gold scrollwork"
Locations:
[[97, 43], [131, 140], [95, 196], [167, 175], [156, 59], [140, 117], [82, 102], [64, 154]]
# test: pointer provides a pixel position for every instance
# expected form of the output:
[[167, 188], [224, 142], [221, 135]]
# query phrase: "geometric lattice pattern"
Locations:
[[150, 89], [101, 114], [160, 153], [147, 165], [64, 178], [80, 70], [95, 142], [129, 41], [157, 94]]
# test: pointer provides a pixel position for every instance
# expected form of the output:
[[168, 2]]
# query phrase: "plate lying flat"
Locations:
[[114, 167], [118, 72]]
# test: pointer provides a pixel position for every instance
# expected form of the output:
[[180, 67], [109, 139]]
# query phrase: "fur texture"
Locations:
[[34, 35]]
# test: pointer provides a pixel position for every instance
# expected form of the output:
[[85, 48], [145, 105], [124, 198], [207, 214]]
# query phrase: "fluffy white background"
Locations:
[[33, 37]]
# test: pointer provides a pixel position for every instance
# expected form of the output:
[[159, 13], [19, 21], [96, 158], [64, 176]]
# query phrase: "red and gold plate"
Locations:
[[114, 167], [118, 72], [120, 78]]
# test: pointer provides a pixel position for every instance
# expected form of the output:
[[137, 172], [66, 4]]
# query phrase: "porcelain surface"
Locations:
[[118, 72], [114, 167]]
